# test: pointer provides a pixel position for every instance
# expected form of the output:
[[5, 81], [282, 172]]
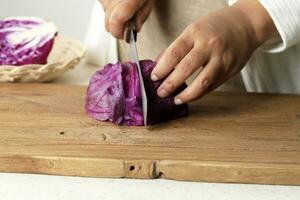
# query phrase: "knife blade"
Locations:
[[135, 59]]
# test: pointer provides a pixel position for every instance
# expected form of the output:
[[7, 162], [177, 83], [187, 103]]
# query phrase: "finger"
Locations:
[[159, 56], [173, 55], [143, 13], [187, 66], [104, 3], [222, 78], [202, 84], [107, 14], [121, 13], [107, 7]]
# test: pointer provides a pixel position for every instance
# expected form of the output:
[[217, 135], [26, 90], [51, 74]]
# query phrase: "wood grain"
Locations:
[[228, 137]]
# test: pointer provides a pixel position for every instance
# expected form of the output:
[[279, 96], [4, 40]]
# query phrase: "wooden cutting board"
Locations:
[[228, 137]]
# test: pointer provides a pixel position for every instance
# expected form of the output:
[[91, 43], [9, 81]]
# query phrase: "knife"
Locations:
[[131, 37]]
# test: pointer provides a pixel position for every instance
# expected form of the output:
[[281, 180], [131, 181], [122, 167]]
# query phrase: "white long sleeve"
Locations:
[[276, 69], [286, 17]]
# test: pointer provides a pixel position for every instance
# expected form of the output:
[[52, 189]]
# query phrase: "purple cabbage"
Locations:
[[160, 109], [25, 40], [114, 95]]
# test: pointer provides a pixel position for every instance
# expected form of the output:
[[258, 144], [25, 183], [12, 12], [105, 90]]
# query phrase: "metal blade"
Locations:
[[134, 58]]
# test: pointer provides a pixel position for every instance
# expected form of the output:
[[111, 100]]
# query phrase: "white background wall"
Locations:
[[71, 16]]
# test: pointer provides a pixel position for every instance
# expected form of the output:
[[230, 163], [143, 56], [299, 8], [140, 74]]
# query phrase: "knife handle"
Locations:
[[128, 27]]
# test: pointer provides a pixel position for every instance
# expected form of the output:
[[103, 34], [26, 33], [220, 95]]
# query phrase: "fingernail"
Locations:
[[153, 77], [162, 93], [178, 101]]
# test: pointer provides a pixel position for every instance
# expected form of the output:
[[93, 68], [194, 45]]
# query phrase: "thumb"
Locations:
[[143, 13], [122, 13]]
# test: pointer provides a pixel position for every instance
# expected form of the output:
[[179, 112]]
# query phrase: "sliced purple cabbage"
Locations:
[[105, 98], [160, 109], [25, 40], [133, 115], [114, 95]]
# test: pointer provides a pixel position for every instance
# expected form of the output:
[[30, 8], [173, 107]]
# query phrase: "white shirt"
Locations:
[[276, 68]]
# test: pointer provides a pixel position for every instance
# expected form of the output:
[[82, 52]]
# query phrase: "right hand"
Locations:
[[220, 44], [119, 12]]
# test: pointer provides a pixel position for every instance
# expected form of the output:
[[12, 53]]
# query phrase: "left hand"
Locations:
[[118, 12], [221, 43]]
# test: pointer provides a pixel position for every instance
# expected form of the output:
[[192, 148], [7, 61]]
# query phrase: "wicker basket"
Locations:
[[65, 54]]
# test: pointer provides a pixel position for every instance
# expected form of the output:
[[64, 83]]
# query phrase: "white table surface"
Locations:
[[34, 187]]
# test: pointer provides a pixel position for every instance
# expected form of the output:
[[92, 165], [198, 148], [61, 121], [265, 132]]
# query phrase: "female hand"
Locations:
[[221, 43], [118, 12]]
